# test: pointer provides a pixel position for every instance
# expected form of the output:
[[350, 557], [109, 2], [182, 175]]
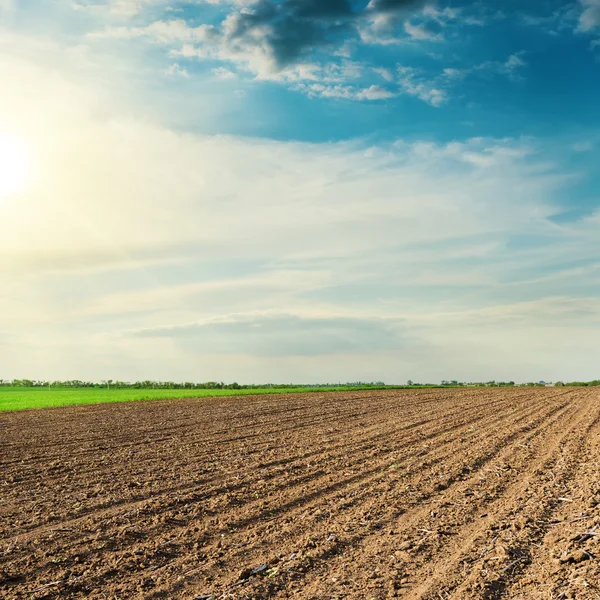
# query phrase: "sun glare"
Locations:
[[15, 164]]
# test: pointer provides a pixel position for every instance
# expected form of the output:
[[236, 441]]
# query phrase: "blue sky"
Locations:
[[300, 191]]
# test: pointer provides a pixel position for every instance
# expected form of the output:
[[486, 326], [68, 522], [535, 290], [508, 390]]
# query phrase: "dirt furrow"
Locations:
[[370, 435], [523, 508], [366, 490], [397, 517]]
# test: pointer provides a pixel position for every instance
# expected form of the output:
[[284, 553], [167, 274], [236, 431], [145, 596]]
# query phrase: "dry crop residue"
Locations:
[[478, 493]]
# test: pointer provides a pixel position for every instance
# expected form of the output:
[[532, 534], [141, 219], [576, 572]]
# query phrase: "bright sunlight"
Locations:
[[15, 164]]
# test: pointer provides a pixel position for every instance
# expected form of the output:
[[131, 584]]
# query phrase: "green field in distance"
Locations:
[[21, 398]]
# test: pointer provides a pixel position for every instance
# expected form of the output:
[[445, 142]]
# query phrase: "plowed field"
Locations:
[[480, 493]]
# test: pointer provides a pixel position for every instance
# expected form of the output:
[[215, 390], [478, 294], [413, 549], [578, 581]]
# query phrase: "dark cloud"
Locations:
[[285, 335], [289, 29], [292, 27]]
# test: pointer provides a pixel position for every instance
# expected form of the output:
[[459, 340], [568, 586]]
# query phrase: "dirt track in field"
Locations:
[[482, 493]]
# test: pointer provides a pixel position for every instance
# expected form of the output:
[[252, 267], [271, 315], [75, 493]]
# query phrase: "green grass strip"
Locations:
[[19, 398]]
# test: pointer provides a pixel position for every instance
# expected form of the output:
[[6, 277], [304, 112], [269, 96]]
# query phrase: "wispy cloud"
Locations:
[[223, 73], [589, 19], [415, 85], [117, 8], [581, 17], [281, 334], [421, 32], [162, 32], [6, 6], [177, 71], [510, 67]]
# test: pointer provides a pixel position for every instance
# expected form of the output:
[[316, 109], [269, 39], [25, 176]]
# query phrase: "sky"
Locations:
[[300, 190]]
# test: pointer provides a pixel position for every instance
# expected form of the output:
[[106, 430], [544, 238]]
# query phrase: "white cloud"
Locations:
[[379, 30], [342, 72], [427, 24], [6, 6], [117, 8], [513, 62], [275, 333], [442, 16], [564, 18], [127, 9], [590, 15], [346, 92], [582, 16], [223, 73], [161, 32], [454, 74], [345, 50], [177, 71], [384, 73], [415, 85], [421, 32], [509, 67], [583, 146], [374, 92]]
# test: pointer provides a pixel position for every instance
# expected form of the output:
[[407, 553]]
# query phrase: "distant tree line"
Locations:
[[220, 385], [456, 383], [173, 385]]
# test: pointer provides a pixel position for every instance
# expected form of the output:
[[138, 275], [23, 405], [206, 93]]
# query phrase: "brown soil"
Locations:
[[482, 493]]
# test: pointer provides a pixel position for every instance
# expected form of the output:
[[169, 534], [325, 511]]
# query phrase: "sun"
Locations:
[[15, 164]]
